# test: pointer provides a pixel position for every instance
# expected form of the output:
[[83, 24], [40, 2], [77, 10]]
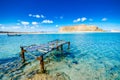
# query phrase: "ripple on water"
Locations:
[[91, 57]]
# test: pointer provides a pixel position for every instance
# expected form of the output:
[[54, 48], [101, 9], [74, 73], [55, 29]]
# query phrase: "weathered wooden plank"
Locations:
[[45, 47]]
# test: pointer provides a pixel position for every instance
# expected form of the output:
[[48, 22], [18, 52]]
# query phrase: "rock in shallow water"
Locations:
[[75, 62]]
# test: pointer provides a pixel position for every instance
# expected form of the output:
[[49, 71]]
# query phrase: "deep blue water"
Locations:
[[98, 49]]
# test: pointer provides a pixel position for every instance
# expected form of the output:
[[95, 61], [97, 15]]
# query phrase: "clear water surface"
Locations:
[[92, 56]]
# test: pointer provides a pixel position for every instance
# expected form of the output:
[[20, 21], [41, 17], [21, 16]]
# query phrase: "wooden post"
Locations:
[[68, 45], [61, 47], [41, 63], [57, 48], [22, 54]]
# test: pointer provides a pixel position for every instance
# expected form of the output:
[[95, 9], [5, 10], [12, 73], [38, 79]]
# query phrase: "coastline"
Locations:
[[80, 32]]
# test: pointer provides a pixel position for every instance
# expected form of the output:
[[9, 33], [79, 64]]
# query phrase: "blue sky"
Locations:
[[38, 15]]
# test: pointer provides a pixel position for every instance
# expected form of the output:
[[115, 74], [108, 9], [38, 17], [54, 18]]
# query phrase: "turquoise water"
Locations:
[[92, 56]]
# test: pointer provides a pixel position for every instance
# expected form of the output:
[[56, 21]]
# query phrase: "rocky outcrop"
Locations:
[[80, 28]]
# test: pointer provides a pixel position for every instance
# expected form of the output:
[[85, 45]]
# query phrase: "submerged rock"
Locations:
[[75, 62]]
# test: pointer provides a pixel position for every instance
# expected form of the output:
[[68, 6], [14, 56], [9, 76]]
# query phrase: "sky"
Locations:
[[50, 15]]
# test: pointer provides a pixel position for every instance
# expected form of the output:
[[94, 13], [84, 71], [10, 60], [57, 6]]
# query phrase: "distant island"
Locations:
[[80, 28]]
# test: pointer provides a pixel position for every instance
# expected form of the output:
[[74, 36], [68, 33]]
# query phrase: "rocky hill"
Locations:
[[80, 28]]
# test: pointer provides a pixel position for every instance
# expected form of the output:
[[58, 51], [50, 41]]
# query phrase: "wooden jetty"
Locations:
[[43, 49]]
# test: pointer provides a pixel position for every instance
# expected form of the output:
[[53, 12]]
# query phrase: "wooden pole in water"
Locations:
[[41, 63], [22, 54], [57, 48], [61, 47], [68, 45]]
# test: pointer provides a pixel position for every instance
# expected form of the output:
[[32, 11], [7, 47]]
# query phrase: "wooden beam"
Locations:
[[61, 47], [41, 63], [23, 54], [57, 48]]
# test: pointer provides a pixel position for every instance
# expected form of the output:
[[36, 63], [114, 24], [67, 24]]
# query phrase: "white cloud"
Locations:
[[18, 23], [104, 19], [25, 23], [16, 27], [90, 19], [32, 27], [56, 25], [36, 16], [80, 19], [2, 27], [77, 20], [33, 15], [30, 15], [47, 21], [34, 23], [42, 16], [83, 19], [61, 17]]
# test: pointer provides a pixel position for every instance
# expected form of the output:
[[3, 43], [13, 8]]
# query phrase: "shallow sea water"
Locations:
[[92, 56]]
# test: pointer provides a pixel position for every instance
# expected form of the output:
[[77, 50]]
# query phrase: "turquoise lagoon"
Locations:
[[92, 56]]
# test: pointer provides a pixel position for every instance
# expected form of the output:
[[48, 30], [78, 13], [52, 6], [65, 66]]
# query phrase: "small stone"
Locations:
[[58, 74]]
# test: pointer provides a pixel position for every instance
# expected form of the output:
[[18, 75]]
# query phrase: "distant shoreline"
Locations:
[[5, 33]]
